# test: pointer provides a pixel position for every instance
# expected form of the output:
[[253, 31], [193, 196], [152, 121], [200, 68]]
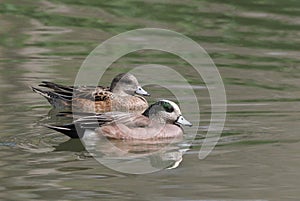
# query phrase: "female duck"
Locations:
[[163, 119], [122, 95]]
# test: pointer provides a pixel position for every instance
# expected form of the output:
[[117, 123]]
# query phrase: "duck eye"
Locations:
[[168, 107]]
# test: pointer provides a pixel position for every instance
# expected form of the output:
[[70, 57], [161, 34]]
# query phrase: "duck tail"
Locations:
[[55, 99], [68, 130], [57, 87], [45, 94]]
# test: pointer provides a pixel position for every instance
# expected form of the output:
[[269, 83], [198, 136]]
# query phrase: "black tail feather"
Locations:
[[41, 92], [58, 87], [69, 130], [54, 98]]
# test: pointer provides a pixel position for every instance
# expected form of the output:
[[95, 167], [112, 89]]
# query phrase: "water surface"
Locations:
[[254, 44]]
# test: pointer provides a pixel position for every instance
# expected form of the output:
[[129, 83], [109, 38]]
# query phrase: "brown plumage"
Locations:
[[122, 95], [160, 120]]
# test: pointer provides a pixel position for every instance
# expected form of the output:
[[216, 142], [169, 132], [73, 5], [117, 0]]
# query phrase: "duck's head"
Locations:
[[126, 83], [166, 111]]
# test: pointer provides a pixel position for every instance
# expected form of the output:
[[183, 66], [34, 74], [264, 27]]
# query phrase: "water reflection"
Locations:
[[135, 156]]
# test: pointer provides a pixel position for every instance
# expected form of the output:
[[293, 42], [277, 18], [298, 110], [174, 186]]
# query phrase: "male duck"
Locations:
[[120, 96], [162, 119]]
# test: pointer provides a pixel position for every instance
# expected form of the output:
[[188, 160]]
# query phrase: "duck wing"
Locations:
[[68, 92], [112, 118], [77, 128]]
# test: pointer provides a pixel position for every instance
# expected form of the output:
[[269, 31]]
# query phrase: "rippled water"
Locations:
[[254, 44]]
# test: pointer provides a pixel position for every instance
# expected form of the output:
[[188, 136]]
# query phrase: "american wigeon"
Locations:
[[162, 119], [122, 95]]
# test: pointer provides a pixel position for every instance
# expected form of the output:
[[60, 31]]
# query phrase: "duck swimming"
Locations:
[[122, 95], [162, 119]]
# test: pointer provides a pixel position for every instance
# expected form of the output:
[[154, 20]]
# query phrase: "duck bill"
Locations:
[[182, 121], [141, 91]]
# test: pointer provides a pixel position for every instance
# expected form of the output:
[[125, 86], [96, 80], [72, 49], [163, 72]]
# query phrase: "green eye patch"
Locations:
[[167, 107]]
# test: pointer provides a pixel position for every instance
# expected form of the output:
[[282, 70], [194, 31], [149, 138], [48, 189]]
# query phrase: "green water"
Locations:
[[254, 44]]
